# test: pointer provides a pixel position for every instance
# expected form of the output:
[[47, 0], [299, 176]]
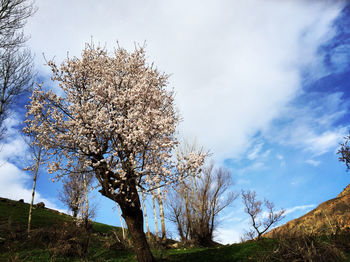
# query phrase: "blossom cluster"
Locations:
[[116, 112]]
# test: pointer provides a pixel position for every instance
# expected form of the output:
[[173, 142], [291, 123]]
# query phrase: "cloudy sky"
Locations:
[[263, 84]]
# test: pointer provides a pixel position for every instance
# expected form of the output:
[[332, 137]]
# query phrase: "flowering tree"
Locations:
[[116, 112]]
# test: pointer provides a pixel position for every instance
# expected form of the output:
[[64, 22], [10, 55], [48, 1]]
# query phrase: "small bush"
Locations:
[[114, 241], [70, 240]]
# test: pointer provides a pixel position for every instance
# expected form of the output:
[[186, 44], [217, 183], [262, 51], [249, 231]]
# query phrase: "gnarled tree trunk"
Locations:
[[130, 206], [133, 217]]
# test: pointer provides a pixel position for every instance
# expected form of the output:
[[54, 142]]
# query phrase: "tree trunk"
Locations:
[[86, 213], [121, 222], [132, 214], [130, 205], [145, 212], [161, 213], [180, 230], [155, 218], [33, 191], [188, 215]]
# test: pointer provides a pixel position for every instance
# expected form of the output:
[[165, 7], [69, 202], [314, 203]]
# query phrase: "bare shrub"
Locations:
[[254, 208], [306, 248], [69, 240]]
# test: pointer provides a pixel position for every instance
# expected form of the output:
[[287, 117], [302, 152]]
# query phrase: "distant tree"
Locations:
[[143, 195], [72, 193], [155, 217], [344, 152], [260, 221], [13, 16], [37, 159], [161, 197], [177, 214], [16, 62], [195, 205], [178, 200], [37, 154], [116, 112], [75, 190]]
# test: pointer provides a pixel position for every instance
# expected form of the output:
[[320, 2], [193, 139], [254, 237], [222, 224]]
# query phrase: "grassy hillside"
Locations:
[[49, 225], [55, 237]]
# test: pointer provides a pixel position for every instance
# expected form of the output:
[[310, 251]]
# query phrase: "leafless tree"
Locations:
[[148, 234], [75, 190], [16, 74], [38, 157], [13, 16], [155, 217], [177, 214], [195, 205], [260, 221], [160, 198], [16, 62]]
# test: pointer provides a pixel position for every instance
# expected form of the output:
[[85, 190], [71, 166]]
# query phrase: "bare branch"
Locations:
[[16, 63], [260, 223]]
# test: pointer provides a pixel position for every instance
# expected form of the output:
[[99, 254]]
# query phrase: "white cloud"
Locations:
[[13, 185], [233, 227], [313, 126], [254, 153], [281, 159], [14, 182], [13, 148], [253, 167], [326, 141], [228, 235], [297, 208], [312, 162], [234, 64]]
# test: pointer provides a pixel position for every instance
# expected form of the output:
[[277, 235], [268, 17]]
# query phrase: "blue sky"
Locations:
[[263, 84]]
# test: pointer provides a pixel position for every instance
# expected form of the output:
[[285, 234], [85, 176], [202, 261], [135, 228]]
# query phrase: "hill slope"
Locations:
[[56, 238], [54, 235], [328, 218], [15, 213], [54, 231]]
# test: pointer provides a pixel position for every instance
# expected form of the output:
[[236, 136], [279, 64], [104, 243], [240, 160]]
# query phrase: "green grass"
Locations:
[[16, 213], [14, 246], [236, 252], [13, 225]]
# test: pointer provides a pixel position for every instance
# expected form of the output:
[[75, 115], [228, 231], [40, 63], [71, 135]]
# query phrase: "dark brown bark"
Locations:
[[134, 219], [75, 212], [130, 204], [180, 230]]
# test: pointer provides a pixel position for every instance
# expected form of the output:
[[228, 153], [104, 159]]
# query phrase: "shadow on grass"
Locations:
[[236, 252]]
